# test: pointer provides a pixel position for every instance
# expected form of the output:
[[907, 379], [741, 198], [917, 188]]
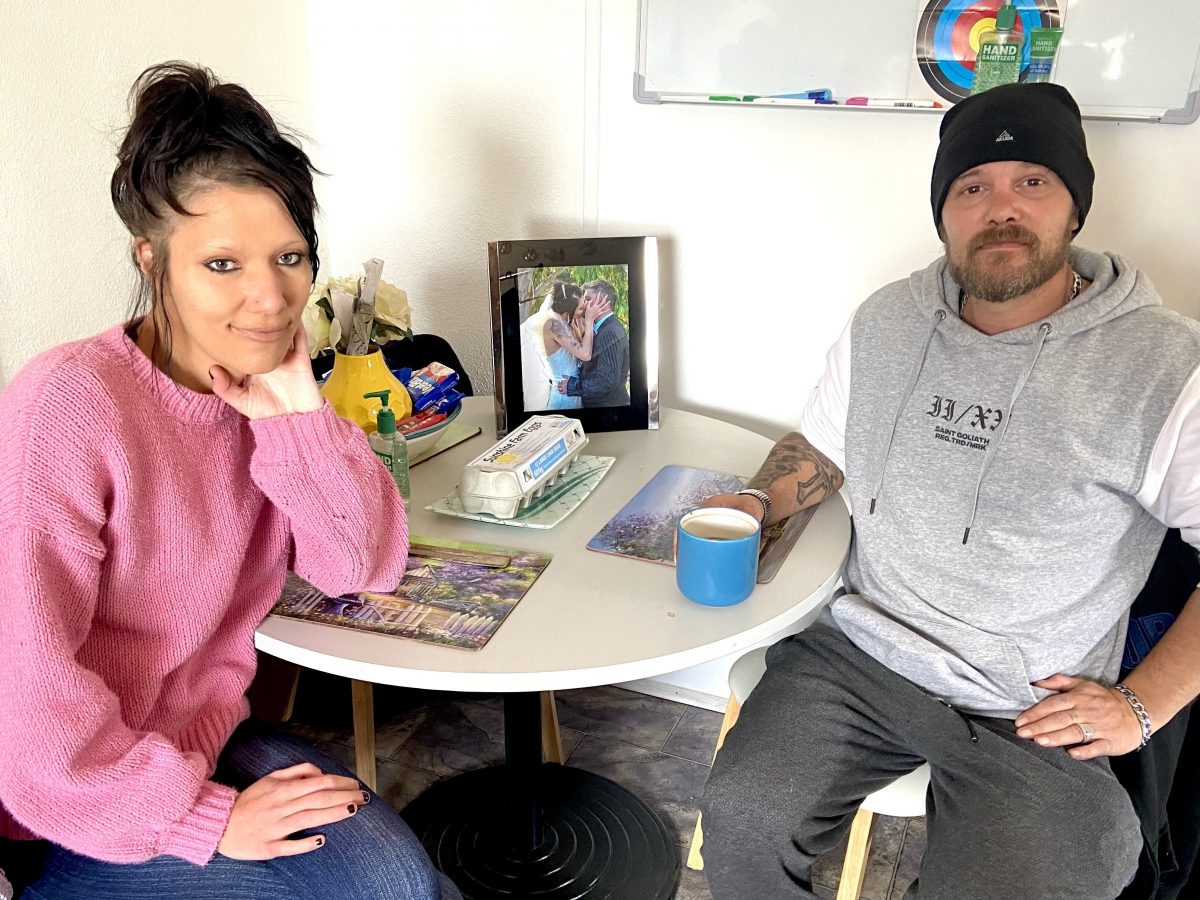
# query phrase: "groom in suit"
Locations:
[[603, 380]]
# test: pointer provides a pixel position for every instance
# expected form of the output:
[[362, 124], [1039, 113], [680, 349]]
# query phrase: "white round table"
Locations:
[[591, 618], [531, 829]]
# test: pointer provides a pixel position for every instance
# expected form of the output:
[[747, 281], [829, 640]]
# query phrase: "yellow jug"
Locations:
[[353, 376]]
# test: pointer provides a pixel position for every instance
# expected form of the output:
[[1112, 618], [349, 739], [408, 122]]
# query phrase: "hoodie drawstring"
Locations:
[[1043, 332], [962, 715], [913, 377]]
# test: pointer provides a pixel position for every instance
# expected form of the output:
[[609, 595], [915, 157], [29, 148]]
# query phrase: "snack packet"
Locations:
[[430, 384], [419, 422]]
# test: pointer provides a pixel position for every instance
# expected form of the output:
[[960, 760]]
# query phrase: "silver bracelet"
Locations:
[[1143, 716], [762, 497]]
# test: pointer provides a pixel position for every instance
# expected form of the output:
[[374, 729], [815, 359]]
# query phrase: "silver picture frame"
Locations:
[[547, 361]]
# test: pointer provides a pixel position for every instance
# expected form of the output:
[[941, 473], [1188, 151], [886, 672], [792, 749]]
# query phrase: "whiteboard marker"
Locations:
[[793, 101], [898, 104]]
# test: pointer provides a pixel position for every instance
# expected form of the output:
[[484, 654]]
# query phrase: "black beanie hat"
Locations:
[[1036, 123]]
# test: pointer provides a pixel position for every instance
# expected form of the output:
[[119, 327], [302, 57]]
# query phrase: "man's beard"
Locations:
[[997, 283]]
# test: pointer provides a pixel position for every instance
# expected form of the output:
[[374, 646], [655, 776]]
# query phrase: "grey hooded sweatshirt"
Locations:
[[997, 538]]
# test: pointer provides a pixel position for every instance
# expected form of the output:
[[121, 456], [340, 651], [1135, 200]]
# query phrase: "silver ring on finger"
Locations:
[[1089, 733]]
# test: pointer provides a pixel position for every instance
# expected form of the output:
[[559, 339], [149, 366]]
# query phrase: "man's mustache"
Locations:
[[1003, 234]]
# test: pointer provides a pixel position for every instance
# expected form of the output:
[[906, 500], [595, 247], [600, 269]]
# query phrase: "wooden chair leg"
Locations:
[[364, 731], [272, 693], [290, 705], [695, 860], [854, 869], [552, 749]]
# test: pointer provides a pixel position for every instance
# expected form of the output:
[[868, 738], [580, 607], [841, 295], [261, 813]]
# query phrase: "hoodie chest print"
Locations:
[[966, 424]]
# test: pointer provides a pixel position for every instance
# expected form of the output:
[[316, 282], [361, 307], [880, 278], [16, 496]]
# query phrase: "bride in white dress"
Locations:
[[535, 370]]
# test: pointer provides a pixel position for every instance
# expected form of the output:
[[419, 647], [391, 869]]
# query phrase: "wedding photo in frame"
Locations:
[[575, 331]]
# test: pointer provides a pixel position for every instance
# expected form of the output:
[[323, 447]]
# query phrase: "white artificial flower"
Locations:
[[348, 284], [391, 306], [316, 326], [343, 310], [391, 309], [391, 302]]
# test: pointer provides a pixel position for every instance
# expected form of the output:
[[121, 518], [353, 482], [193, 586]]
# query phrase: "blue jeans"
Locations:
[[373, 854]]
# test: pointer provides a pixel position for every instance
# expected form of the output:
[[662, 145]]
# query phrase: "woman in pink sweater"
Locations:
[[160, 480]]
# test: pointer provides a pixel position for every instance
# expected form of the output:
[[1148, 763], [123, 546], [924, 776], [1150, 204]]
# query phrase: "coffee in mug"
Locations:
[[720, 527], [716, 557]]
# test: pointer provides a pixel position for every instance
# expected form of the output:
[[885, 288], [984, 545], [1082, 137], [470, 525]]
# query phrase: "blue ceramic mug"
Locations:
[[716, 558]]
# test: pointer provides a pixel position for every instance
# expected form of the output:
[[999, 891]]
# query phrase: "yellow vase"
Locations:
[[353, 376]]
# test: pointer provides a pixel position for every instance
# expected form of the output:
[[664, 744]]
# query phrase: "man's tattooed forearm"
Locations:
[[794, 466]]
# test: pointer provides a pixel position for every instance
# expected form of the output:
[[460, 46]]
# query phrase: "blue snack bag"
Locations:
[[447, 403], [430, 384]]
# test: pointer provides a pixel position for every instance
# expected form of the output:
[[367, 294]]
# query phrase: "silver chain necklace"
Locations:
[[1076, 284]]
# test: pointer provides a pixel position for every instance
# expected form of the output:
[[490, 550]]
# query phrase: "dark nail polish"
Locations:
[[319, 841], [351, 808], [366, 798]]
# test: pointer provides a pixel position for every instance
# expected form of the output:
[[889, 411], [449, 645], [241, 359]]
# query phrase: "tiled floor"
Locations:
[[659, 749]]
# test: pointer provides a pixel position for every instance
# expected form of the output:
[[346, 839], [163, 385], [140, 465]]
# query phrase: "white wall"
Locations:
[[65, 72], [447, 125]]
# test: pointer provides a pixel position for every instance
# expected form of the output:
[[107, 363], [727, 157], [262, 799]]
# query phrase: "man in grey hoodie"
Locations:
[[1016, 425]]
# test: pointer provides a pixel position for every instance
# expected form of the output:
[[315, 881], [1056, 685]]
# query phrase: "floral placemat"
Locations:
[[563, 497], [453, 594], [644, 528]]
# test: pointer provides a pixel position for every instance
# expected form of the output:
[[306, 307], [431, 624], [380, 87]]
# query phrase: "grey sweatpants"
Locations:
[[828, 725]]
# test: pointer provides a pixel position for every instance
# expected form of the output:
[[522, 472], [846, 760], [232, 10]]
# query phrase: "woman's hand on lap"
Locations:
[[289, 388], [282, 803]]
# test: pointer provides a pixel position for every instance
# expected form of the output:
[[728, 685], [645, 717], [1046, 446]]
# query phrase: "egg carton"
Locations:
[[517, 470]]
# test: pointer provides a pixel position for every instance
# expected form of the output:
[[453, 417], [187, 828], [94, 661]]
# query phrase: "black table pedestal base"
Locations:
[[549, 832]]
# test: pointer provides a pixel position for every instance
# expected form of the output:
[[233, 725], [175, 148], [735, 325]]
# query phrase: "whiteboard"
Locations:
[[1120, 60]]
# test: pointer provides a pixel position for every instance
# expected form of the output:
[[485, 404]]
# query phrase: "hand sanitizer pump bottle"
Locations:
[[1000, 53], [389, 445]]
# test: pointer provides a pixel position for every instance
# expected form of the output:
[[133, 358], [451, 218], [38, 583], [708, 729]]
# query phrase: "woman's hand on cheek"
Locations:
[[289, 388], [598, 309]]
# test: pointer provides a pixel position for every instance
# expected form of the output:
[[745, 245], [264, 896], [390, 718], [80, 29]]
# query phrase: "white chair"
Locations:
[[904, 797]]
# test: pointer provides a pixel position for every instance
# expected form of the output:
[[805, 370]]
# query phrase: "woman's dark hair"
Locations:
[[565, 297], [186, 127]]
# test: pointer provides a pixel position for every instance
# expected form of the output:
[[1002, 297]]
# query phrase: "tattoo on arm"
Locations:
[[566, 339], [559, 328], [796, 475]]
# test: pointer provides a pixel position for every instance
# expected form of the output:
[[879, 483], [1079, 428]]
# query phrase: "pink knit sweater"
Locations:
[[146, 531]]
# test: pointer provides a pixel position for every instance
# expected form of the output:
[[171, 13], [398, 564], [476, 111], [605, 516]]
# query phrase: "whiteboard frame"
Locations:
[[1185, 115]]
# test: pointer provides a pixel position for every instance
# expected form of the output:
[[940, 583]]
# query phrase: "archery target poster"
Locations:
[[948, 35]]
